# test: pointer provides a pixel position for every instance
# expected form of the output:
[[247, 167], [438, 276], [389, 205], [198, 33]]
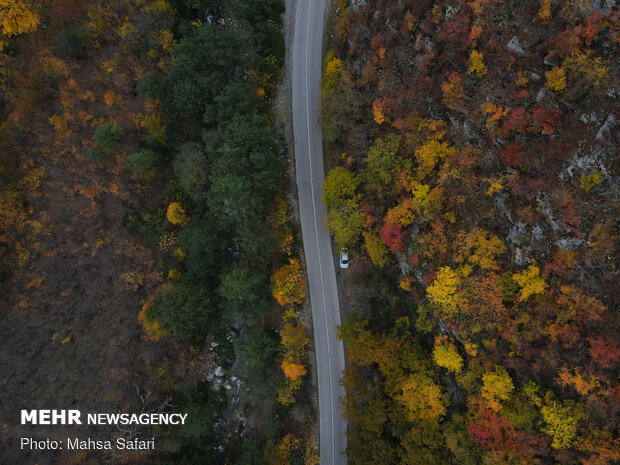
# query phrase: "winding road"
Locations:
[[306, 77]]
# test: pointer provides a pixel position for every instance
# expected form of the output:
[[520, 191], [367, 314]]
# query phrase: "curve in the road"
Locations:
[[306, 76]]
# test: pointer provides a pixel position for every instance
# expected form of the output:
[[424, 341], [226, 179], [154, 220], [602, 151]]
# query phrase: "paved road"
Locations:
[[306, 76]]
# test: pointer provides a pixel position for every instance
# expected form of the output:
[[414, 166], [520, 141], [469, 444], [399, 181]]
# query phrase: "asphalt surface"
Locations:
[[306, 78]]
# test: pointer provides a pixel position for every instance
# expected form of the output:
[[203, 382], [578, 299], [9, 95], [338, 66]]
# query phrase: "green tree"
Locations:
[[191, 168], [151, 86], [142, 163], [184, 310], [258, 351], [201, 65], [383, 163], [237, 98], [342, 107], [203, 245], [106, 140], [245, 292], [72, 43]]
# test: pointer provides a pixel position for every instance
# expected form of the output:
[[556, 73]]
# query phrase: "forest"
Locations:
[[472, 148], [146, 233]]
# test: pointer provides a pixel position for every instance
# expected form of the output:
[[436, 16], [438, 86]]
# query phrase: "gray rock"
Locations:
[[515, 47], [569, 243], [537, 233], [604, 132]]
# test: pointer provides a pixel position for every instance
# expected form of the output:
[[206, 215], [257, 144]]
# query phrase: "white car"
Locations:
[[344, 258]]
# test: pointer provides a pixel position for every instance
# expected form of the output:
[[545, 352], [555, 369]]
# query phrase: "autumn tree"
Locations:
[[421, 398], [479, 248], [392, 236], [17, 17], [476, 64], [496, 387], [445, 292], [530, 282], [447, 356], [293, 370], [429, 154], [288, 284], [176, 214], [484, 308], [453, 92], [561, 421], [340, 185], [556, 79], [377, 251]]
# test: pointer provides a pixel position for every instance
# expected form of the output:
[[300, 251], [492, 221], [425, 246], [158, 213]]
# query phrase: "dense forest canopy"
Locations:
[[473, 152]]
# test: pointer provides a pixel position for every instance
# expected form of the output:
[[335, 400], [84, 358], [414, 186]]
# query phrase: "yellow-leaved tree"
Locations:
[[530, 282], [377, 251], [429, 154], [453, 92], [17, 17], [561, 422], [476, 64], [447, 356], [176, 214], [496, 387], [445, 292], [556, 79], [288, 284], [479, 248], [421, 398]]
